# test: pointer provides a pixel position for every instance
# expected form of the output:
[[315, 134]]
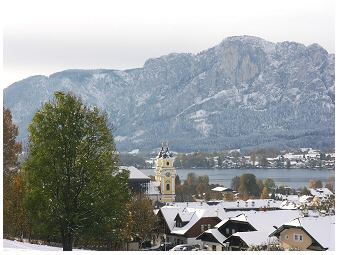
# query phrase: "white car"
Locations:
[[183, 247]]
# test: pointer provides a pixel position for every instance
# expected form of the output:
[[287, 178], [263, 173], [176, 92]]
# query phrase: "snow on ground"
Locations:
[[9, 245]]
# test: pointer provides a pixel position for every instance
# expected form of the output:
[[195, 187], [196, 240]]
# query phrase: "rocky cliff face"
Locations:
[[243, 93]]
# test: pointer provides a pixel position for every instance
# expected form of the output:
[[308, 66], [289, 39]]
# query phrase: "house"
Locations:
[[183, 222], [308, 234], [213, 239], [140, 183], [248, 228], [321, 193]]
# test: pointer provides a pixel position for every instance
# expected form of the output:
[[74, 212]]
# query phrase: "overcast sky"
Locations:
[[44, 37]]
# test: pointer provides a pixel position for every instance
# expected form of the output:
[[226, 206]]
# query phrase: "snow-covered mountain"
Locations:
[[243, 93]]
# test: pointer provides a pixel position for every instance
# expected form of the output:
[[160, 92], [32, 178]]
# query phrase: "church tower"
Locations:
[[166, 174]]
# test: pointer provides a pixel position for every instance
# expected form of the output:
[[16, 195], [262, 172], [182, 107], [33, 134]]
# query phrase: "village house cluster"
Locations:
[[251, 224], [299, 158], [295, 222]]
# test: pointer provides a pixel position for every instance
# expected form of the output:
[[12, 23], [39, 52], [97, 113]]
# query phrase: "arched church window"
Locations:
[[167, 185]]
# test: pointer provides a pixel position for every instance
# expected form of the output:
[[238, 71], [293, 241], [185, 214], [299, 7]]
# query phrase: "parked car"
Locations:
[[162, 247], [183, 247]]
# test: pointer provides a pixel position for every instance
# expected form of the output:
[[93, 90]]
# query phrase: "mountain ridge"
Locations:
[[243, 93]]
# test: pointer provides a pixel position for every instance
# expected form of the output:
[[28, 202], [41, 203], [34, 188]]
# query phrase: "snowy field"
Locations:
[[9, 245]]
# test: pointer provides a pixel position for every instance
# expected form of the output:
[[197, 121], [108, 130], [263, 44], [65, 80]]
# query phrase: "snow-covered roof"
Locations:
[[321, 192], [264, 221], [288, 205], [241, 217], [217, 234], [321, 229], [135, 173], [221, 223], [186, 214], [254, 238], [219, 189], [169, 214], [196, 214], [251, 203], [191, 212]]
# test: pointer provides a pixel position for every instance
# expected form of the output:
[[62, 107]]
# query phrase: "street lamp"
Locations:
[[227, 243], [164, 242]]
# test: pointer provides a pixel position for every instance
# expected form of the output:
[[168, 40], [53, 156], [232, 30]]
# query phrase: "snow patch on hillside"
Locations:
[[141, 98], [203, 127], [120, 138]]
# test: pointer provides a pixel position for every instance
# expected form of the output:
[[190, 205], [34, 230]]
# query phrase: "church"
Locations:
[[162, 189], [165, 175]]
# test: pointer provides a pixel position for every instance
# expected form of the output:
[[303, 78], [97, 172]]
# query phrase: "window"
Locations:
[[167, 186], [205, 227], [233, 231], [214, 247], [227, 231], [298, 238], [287, 237]]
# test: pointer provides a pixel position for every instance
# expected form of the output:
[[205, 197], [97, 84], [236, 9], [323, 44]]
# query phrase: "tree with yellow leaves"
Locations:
[[264, 194], [311, 184]]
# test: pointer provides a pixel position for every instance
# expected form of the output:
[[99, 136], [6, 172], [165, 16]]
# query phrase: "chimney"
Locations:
[[216, 212]]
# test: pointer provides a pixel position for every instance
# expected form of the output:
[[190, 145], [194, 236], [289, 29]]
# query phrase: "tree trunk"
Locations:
[[67, 239], [67, 243]]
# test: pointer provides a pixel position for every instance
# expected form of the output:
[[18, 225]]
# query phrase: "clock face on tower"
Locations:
[[167, 174]]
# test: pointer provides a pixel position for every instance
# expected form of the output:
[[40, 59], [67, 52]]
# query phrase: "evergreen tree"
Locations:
[[177, 180], [74, 186], [305, 191]]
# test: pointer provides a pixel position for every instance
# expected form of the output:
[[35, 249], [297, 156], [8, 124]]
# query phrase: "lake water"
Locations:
[[294, 178]]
